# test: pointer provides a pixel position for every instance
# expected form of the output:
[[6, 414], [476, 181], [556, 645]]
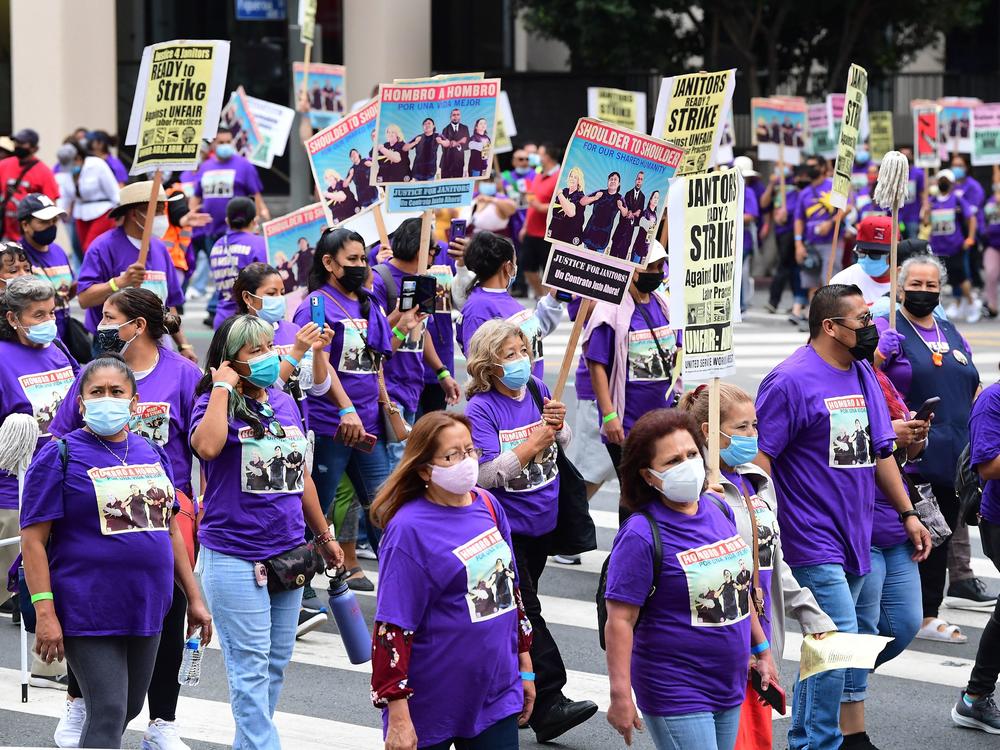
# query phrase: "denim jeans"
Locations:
[[705, 730], [816, 702], [257, 633], [396, 449], [889, 604], [499, 736]]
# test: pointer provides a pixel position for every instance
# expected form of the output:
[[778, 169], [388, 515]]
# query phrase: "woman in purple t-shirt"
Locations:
[[690, 697], [238, 417], [450, 658]]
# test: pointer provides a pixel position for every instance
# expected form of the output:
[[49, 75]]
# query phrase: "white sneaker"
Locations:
[[975, 312], [163, 735], [952, 311], [70, 726], [365, 552]]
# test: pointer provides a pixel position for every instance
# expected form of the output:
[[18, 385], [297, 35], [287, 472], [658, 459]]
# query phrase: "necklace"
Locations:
[[937, 356], [122, 461]]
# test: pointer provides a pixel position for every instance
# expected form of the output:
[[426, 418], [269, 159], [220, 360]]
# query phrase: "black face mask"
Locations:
[[21, 152], [354, 277], [45, 236], [944, 186], [813, 173], [866, 342], [920, 303], [648, 281]]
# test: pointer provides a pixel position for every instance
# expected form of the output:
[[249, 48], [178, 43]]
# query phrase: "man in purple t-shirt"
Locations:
[[826, 441], [454, 140]]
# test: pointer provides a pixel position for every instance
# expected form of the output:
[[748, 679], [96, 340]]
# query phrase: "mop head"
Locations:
[[893, 174], [18, 438]]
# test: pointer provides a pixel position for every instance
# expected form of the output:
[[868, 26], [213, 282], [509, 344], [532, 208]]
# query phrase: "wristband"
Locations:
[[398, 334], [528, 676], [798, 238], [44, 596], [609, 416], [326, 536], [114, 285], [760, 648], [182, 347], [290, 359], [443, 374], [222, 384], [906, 514], [347, 410]]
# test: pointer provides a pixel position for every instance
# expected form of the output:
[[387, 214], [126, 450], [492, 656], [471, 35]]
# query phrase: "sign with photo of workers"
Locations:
[[925, 135], [291, 241], [820, 135], [325, 91], [955, 124], [779, 128], [986, 135], [237, 118]]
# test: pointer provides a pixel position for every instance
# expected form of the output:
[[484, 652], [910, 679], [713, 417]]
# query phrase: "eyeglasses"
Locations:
[[453, 457], [864, 320]]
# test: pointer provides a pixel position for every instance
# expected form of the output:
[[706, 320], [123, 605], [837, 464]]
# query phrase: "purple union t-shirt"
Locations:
[[984, 439], [219, 181], [233, 252], [491, 304]]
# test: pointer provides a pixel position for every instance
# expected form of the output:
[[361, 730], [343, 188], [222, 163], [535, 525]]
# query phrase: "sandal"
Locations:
[[359, 584], [939, 630]]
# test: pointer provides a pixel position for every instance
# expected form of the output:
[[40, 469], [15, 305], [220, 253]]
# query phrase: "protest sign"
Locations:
[[779, 128], [835, 110], [236, 116], [611, 190], [600, 278], [690, 114], [880, 138], [291, 240], [341, 161], [839, 651], [724, 153], [986, 135], [261, 10], [422, 196], [820, 132], [178, 97], [307, 23], [506, 129], [706, 261], [925, 135], [626, 109], [324, 89], [854, 99], [274, 123], [955, 124]]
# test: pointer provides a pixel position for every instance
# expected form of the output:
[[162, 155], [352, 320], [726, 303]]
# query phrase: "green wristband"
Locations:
[[41, 596], [444, 374], [609, 416], [398, 334]]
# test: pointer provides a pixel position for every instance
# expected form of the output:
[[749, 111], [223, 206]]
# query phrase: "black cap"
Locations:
[[909, 248], [25, 135], [37, 205], [240, 211]]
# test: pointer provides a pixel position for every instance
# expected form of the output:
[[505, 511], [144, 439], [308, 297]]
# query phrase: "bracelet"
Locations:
[[760, 648], [41, 596], [290, 359], [222, 384], [323, 538], [443, 374], [182, 347], [114, 285], [906, 514], [798, 238], [398, 334], [528, 676], [609, 416], [347, 410]]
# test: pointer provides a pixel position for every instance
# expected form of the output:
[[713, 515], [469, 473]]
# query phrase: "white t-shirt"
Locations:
[[870, 288]]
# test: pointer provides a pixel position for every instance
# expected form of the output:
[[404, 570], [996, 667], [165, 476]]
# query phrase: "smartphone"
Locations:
[[563, 296], [457, 229], [927, 408], [317, 310], [366, 444], [774, 696], [419, 292]]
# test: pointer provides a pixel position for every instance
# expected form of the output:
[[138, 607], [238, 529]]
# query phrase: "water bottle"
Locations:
[[350, 620], [190, 672]]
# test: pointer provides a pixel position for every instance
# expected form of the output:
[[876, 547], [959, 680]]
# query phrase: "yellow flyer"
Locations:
[[691, 113], [854, 103], [880, 136], [626, 109], [178, 98]]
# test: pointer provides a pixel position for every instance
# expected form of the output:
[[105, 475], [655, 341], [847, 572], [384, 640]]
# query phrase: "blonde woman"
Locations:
[[393, 161], [567, 218]]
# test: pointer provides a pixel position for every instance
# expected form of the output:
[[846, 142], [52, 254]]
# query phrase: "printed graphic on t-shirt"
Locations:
[[45, 391], [911, 191], [61, 278], [767, 532], [850, 433], [415, 341], [719, 577], [152, 421], [942, 222], [445, 277], [490, 575], [132, 498], [218, 183], [644, 360], [303, 374], [273, 464], [527, 322], [355, 357], [539, 471], [156, 282]]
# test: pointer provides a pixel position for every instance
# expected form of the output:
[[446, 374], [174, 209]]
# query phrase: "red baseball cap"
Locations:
[[874, 234]]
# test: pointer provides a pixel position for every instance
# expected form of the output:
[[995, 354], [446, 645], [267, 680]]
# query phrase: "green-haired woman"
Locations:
[[239, 420]]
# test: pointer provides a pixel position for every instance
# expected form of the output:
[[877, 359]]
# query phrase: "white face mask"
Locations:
[[457, 478], [682, 483]]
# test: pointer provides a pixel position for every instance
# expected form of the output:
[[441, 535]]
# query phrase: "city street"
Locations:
[[325, 703]]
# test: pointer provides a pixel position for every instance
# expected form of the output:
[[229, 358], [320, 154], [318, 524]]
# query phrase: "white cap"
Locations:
[[656, 252], [745, 165], [946, 174]]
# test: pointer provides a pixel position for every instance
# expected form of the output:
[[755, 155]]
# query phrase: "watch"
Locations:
[[906, 514]]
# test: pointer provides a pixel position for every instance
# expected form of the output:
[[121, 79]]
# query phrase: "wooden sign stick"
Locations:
[[426, 224], [714, 420], [147, 228], [383, 236], [305, 69], [574, 338], [833, 247]]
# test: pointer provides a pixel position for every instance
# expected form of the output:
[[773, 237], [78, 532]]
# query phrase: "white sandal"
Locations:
[[932, 631]]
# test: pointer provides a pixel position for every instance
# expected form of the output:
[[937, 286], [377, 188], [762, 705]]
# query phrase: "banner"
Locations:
[[854, 102], [880, 138], [236, 116], [706, 262], [691, 113], [820, 135], [986, 135], [506, 129], [341, 160], [724, 153], [955, 124], [626, 109], [327, 87], [291, 240], [925, 135], [600, 278], [611, 190], [178, 98], [421, 196], [307, 22], [779, 128], [274, 123]]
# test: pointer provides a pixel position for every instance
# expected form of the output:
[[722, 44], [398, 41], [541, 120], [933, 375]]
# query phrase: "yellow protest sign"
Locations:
[[506, 129], [626, 109], [854, 102], [178, 97], [880, 137], [691, 113], [307, 21]]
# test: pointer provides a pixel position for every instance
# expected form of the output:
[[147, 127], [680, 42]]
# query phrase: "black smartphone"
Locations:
[[927, 408], [419, 292], [457, 229], [563, 296], [317, 311], [774, 696]]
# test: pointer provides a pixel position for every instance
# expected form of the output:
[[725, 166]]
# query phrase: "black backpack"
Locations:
[[968, 488], [602, 582]]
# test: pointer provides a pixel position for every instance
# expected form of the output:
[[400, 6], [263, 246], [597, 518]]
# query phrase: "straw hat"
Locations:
[[134, 194]]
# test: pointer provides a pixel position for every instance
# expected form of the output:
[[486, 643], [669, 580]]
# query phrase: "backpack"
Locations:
[[968, 488], [391, 291], [602, 582]]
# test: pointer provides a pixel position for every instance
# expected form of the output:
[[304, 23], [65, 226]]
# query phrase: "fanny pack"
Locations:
[[293, 569]]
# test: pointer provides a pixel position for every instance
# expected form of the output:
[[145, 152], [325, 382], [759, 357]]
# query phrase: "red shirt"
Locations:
[[38, 179], [542, 187]]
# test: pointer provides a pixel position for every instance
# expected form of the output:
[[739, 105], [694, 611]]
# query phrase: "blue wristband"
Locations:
[[347, 410], [290, 358], [528, 676], [760, 648]]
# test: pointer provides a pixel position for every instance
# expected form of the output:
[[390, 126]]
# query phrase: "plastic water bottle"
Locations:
[[190, 672], [350, 621]]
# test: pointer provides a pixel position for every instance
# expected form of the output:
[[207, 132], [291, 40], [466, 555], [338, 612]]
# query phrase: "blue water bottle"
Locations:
[[350, 621]]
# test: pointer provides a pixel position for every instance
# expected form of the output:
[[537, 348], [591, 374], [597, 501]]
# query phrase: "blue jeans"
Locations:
[[705, 730], [396, 449], [499, 736], [367, 472], [890, 605], [257, 633], [816, 702]]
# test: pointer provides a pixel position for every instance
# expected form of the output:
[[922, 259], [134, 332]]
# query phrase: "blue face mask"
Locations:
[[515, 374], [862, 157], [41, 333], [272, 309], [225, 151], [878, 266], [534, 160], [487, 188], [264, 369], [107, 416], [512, 279], [741, 450], [959, 172]]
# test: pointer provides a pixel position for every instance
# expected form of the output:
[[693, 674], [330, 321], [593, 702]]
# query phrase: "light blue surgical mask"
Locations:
[[877, 266], [225, 151], [107, 416], [272, 309], [487, 188], [512, 279], [264, 369], [741, 450], [959, 172], [515, 374], [41, 333], [534, 160], [862, 157]]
